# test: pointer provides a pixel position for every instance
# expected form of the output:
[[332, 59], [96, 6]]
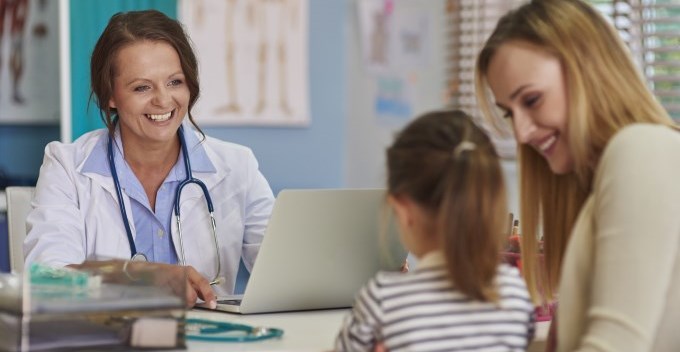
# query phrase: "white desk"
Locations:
[[303, 331]]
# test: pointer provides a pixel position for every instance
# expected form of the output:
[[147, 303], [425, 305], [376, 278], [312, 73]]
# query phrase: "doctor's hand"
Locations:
[[182, 280], [199, 287]]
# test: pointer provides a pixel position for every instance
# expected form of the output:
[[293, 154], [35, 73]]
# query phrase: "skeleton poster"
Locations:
[[253, 61], [29, 62]]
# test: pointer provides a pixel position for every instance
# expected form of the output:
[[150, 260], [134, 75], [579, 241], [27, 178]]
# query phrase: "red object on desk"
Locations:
[[514, 259], [545, 313]]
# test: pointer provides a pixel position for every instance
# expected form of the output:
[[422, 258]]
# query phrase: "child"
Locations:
[[446, 188]]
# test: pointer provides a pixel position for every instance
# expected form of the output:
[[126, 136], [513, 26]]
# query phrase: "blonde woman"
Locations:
[[599, 162]]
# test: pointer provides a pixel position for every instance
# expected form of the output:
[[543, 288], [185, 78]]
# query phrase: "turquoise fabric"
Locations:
[[88, 20]]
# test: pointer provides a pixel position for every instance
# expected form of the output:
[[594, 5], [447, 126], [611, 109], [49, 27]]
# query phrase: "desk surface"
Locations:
[[303, 331]]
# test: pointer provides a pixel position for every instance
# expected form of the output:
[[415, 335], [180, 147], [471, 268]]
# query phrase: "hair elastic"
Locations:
[[463, 147]]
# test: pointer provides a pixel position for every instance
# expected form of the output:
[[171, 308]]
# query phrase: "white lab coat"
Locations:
[[76, 216]]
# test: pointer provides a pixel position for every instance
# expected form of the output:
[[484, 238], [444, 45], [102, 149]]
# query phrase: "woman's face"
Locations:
[[149, 93], [529, 86]]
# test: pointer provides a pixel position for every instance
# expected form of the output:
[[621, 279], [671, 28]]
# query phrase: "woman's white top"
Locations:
[[620, 283]]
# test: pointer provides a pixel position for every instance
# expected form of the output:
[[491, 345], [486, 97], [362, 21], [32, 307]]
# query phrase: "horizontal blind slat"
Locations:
[[652, 29]]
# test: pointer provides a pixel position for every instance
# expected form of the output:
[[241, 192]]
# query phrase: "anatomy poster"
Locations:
[[395, 36], [394, 46], [252, 61], [29, 61]]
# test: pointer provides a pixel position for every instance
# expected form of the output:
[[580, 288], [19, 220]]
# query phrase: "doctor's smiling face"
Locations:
[[529, 87], [150, 94]]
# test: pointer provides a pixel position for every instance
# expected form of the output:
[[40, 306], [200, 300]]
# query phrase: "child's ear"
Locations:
[[402, 208], [112, 104]]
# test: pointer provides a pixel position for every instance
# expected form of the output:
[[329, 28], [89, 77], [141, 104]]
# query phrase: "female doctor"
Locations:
[[112, 193]]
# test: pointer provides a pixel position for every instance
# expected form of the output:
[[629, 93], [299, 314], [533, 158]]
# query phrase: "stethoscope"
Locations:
[[136, 256], [208, 330]]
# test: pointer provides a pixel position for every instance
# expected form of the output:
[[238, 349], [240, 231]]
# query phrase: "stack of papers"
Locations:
[[84, 313]]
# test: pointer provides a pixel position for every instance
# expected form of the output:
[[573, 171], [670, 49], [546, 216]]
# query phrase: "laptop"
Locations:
[[320, 247]]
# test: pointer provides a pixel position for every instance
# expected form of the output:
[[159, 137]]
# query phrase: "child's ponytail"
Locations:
[[472, 214]]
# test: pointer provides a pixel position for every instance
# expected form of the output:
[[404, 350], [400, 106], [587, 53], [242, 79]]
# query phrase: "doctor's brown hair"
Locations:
[[448, 166], [126, 28]]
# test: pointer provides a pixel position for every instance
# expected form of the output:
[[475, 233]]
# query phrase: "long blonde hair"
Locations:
[[449, 167], [606, 92]]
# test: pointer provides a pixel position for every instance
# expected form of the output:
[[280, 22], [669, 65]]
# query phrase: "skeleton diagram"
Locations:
[[286, 10], [15, 11], [261, 14], [232, 105], [14, 14]]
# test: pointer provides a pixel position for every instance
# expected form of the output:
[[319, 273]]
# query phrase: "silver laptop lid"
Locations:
[[319, 248]]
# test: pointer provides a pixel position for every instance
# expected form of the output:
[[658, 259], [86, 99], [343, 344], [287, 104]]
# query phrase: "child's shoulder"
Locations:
[[509, 271], [511, 286], [396, 278], [508, 275]]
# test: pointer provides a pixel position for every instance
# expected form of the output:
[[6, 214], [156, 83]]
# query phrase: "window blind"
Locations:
[[470, 22], [651, 28]]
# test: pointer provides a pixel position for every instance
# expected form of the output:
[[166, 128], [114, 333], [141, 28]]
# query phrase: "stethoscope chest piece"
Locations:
[[139, 257]]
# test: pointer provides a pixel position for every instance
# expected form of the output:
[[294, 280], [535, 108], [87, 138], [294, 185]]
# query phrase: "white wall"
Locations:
[[512, 183]]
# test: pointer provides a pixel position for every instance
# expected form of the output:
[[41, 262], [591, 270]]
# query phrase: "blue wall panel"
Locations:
[[4, 245], [88, 20], [22, 148]]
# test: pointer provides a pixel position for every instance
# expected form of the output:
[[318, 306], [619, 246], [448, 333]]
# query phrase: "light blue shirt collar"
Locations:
[[97, 162]]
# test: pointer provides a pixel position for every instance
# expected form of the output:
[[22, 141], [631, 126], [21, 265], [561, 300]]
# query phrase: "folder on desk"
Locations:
[[81, 314]]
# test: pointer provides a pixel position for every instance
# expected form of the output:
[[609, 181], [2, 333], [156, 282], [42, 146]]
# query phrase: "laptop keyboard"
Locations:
[[232, 302]]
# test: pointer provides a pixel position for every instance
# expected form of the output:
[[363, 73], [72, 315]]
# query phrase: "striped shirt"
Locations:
[[423, 311]]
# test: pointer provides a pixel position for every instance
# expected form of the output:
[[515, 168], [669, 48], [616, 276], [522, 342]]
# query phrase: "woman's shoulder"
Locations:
[[649, 152], [230, 155], [226, 149], [642, 143], [644, 135], [78, 149]]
